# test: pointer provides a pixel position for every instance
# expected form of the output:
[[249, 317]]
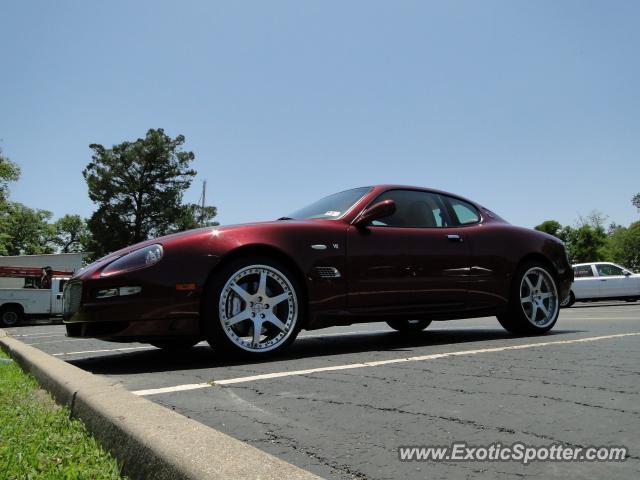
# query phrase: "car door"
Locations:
[[489, 275], [586, 283], [413, 260], [57, 288], [613, 281]]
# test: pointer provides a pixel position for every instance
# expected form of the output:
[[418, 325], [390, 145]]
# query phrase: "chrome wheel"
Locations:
[[539, 297], [258, 308]]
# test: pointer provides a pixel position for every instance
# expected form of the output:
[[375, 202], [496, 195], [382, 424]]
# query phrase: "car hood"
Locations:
[[204, 232]]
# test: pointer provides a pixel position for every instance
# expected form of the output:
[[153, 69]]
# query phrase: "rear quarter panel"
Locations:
[[498, 248]]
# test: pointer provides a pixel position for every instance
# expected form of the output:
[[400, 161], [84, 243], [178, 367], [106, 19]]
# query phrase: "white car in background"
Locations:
[[603, 281]]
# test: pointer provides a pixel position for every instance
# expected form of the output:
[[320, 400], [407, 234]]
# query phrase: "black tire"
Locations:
[[409, 326], [516, 320], [10, 316], [238, 338], [569, 301], [175, 345]]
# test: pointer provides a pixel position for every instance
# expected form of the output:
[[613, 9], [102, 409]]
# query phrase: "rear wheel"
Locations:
[[534, 305], [10, 316], [409, 326], [253, 307], [567, 302]]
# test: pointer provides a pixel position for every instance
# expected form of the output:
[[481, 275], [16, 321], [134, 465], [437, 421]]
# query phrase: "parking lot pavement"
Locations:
[[341, 401]]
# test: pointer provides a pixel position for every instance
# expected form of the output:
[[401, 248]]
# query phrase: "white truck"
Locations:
[[31, 301]]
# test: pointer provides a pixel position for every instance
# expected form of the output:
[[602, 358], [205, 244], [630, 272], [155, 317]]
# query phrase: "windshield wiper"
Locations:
[[285, 218]]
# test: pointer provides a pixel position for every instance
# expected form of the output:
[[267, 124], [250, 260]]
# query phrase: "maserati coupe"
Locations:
[[402, 255]]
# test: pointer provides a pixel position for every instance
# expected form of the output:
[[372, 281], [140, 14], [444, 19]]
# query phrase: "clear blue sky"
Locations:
[[529, 107]]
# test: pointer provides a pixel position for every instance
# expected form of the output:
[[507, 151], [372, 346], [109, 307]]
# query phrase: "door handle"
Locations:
[[603, 279], [454, 237]]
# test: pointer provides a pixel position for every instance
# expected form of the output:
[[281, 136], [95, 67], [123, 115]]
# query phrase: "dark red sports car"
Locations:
[[402, 255]]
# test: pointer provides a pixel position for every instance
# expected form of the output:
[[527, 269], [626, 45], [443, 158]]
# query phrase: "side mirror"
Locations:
[[627, 273], [382, 209]]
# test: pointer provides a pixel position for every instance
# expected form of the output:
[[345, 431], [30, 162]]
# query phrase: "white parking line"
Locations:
[[121, 349], [59, 341], [389, 330], [39, 335], [619, 317], [339, 334], [266, 376], [148, 347]]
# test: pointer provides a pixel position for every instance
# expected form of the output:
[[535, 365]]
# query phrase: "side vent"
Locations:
[[327, 272]]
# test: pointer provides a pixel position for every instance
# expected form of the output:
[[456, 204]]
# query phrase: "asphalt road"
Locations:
[[346, 418]]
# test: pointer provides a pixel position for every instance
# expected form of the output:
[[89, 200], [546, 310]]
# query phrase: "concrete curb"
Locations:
[[149, 440]]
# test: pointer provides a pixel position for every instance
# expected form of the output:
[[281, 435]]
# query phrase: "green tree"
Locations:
[[194, 216], [27, 231], [138, 187], [623, 246], [636, 201], [552, 227], [71, 234], [585, 243], [9, 172]]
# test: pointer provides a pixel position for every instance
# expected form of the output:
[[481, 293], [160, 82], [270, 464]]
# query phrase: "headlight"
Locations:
[[141, 258]]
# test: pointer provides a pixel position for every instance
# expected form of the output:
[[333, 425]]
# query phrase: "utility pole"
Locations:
[[204, 192]]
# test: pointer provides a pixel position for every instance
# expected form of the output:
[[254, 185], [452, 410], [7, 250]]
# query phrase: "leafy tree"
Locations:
[[552, 227], [613, 228], [138, 187], [585, 243], [636, 201], [71, 234], [27, 231], [194, 216], [9, 172], [623, 246], [595, 219]]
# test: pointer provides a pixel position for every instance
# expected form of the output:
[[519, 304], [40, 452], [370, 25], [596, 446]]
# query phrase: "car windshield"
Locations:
[[331, 207]]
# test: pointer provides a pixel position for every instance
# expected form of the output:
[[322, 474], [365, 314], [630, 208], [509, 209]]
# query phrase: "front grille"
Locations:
[[72, 298]]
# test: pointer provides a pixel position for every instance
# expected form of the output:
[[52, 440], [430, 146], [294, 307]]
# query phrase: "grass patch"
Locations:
[[38, 439]]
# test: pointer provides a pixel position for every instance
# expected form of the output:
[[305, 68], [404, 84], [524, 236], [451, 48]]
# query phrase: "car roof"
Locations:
[[595, 263], [591, 263], [390, 186]]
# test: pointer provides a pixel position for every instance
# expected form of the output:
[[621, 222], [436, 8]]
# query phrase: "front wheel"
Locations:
[[10, 316], [253, 307], [534, 305], [409, 326]]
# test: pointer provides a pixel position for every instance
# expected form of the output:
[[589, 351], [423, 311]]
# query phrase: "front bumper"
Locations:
[[154, 313]]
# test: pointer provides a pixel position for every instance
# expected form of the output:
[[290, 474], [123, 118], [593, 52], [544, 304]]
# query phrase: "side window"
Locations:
[[465, 213], [582, 271], [62, 284], [414, 209], [606, 270]]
